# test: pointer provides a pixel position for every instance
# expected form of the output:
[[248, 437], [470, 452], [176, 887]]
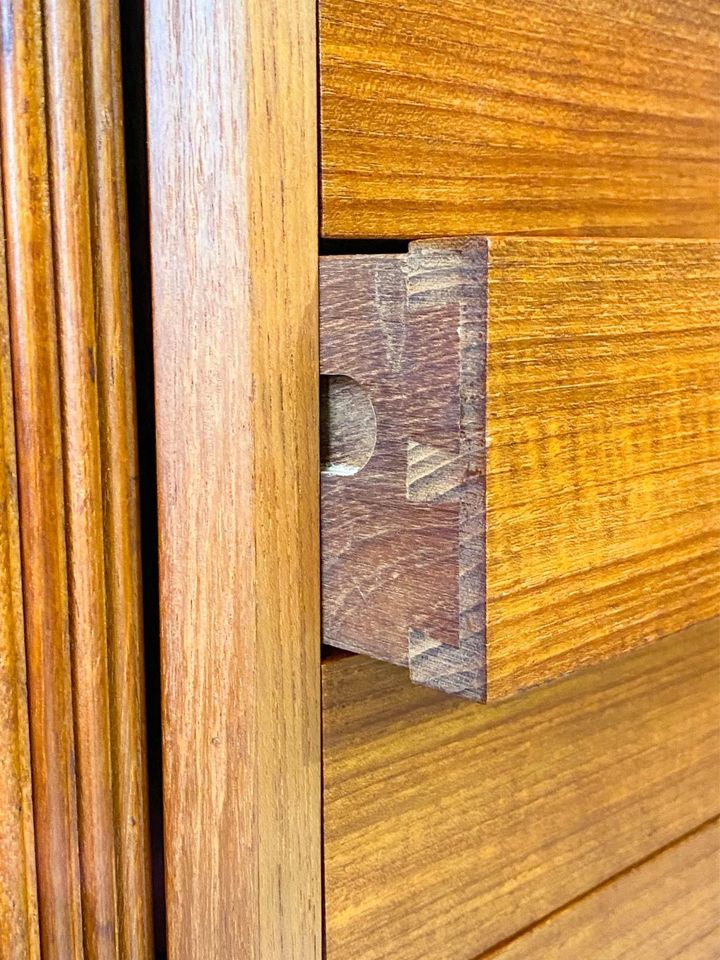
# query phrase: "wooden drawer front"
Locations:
[[450, 827], [544, 454], [667, 908], [465, 117]]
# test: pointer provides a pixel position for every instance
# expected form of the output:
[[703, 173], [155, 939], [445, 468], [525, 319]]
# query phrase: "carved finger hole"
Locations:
[[348, 428]]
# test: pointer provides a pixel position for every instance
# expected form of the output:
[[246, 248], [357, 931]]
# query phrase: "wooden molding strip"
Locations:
[[34, 344], [77, 341], [74, 409], [119, 462], [449, 119], [233, 182], [537, 488], [19, 929], [451, 826]]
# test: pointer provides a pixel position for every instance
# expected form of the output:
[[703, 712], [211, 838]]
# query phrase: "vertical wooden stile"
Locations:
[[33, 326], [118, 439], [19, 935], [233, 187]]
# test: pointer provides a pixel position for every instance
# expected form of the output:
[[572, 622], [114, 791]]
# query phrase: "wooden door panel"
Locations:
[[233, 188], [73, 398]]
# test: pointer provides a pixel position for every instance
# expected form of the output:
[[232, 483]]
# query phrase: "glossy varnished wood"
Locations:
[[453, 118], [543, 466], [118, 457], [34, 337], [73, 386], [70, 198], [603, 450], [232, 105], [450, 826], [663, 909], [19, 932]]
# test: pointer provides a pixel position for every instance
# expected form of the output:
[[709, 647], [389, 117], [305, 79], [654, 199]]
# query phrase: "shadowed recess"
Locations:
[[348, 428]]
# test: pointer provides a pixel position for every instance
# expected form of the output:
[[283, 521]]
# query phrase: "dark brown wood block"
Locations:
[[522, 454]]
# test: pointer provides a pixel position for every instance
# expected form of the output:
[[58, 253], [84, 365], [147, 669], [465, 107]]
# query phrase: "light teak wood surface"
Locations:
[[74, 408], [233, 168], [603, 450], [34, 345], [663, 909], [77, 339], [453, 118], [450, 827], [19, 931], [543, 465]]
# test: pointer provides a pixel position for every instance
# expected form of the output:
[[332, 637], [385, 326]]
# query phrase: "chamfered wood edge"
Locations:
[[284, 340]]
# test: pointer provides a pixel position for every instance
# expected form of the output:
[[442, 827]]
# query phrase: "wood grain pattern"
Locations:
[[449, 827], [542, 492], [70, 196], [663, 909], [119, 452], [34, 343], [73, 375], [586, 118], [234, 242], [603, 450], [403, 539], [19, 933]]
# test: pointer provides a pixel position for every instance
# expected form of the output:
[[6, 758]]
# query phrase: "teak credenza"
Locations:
[[392, 324]]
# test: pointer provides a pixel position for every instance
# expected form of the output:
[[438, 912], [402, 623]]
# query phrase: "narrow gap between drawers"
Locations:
[[338, 248], [498, 947]]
